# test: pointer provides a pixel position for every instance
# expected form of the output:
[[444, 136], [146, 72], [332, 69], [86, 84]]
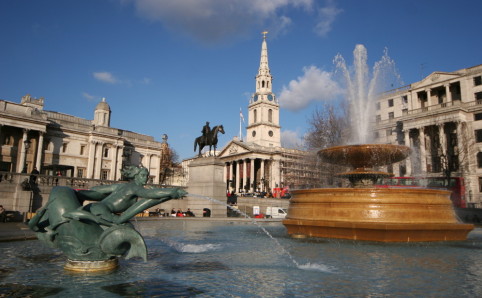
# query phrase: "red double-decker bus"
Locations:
[[454, 184]]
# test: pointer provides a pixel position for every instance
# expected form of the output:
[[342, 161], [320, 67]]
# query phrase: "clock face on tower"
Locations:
[[255, 98], [270, 97]]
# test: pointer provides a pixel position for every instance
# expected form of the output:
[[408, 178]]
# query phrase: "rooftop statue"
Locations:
[[100, 230], [209, 138]]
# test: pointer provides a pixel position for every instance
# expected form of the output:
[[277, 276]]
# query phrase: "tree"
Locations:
[[329, 126]]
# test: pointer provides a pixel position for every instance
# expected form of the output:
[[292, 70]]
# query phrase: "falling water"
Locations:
[[362, 89]]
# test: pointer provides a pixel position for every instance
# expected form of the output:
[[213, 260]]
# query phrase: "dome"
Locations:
[[103, 105]]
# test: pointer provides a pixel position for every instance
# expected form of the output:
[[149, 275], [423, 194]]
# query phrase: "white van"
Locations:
[[276, 212]]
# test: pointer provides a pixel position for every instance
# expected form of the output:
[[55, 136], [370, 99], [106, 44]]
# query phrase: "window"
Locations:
[[80, 172], [106, 152], [376, 134], [478, 135], [478, 117], [480, 184], [104, 174], [390, 103], [255, 116], [270, 133], [388, 132], [478, 96], [64, 147], [478, 81], [479, 160], [378, 118], [270, 115], [405, 99], [391, 115], [82, 149]]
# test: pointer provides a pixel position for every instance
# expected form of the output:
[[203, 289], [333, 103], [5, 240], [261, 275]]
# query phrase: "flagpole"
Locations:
[[240, 131]]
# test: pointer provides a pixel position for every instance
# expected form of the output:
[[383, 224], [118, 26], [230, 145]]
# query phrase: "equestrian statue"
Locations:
[[209, 138]]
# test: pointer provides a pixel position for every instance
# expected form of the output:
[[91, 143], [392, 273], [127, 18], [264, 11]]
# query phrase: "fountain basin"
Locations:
[[375, 214], [364, 156]]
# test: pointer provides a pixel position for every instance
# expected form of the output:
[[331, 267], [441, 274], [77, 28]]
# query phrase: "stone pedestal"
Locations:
[[91, 266], [206, 179]]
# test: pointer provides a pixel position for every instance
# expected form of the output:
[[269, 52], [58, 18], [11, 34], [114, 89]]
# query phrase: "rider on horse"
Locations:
[[206, 130]]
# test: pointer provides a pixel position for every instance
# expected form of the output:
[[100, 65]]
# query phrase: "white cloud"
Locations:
[[106, 77], [88, 96], [214, 20], [326, 16], [291, 139], [314, 85]]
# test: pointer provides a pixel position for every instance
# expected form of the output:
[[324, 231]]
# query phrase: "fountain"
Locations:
[[364, 212]]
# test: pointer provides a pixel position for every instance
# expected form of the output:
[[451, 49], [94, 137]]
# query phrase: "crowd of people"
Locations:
[[180, 213]]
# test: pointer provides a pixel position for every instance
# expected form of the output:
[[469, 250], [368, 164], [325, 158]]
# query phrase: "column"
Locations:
[[113, 163], [91, 160], [40, 150], [262, 175], [429, 98], [245, 175], [443, 139], [23, 152], [237, 177], [408, 160], [463, 156], [423, 157], [225, 172], [158, 169], [233, 174], [253, 183], [98, 160], [119, 153], [447, 92]]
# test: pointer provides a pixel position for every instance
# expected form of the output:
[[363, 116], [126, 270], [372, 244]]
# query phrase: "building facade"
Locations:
[[440, 118], [61, 144]]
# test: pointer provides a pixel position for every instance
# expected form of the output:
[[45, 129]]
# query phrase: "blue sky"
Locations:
[[167, 66]]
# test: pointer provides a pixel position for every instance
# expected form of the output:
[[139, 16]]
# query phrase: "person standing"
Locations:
[[3, 214]]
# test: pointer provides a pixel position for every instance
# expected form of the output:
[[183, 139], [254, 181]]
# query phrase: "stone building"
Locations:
[[260, 163], [440, 118], [61, 144]]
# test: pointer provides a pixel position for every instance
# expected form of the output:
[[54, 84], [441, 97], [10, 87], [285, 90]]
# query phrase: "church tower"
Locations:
[[263, 109]]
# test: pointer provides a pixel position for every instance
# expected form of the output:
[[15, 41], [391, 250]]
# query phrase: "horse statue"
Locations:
[[211, 139]]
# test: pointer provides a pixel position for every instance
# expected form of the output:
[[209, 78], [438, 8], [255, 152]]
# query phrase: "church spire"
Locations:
[[264, 78]]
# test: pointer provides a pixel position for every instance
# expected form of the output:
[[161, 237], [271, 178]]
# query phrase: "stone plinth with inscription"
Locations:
[[206, 179]]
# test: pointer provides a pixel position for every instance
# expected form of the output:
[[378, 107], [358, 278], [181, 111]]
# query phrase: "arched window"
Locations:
[[262, 84], [255, 116], [270, 115]]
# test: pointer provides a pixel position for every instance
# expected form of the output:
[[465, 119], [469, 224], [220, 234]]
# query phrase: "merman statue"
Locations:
[[92, 236]]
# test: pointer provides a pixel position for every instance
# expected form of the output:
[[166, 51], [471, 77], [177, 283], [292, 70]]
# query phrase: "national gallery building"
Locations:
[[65, 145], [440, 118]]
